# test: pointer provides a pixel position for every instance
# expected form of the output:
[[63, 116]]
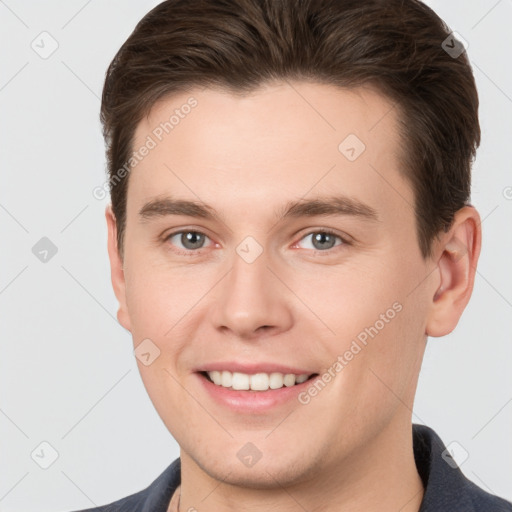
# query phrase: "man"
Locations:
[[290, 221]]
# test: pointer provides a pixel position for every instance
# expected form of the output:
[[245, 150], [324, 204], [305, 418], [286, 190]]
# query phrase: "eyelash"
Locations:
[[326, 231]]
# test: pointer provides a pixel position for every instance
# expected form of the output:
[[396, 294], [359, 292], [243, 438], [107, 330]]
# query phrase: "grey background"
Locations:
[[68, 374]]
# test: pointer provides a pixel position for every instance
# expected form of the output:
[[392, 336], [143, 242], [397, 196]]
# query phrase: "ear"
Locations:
[[459, 251], [117, 269]]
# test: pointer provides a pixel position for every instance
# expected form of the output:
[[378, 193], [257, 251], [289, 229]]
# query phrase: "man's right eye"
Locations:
[[190, 240]]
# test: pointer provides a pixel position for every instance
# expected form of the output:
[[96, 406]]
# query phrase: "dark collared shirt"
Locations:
[[446, 487]]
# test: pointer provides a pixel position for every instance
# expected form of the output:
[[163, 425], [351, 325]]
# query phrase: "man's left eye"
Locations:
[[323, 240]]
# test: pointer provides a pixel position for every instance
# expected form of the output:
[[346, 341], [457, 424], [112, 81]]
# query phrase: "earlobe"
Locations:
[[117, 272], [456, 268]]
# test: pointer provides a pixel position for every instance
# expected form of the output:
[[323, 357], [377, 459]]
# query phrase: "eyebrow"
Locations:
[[322, 206]]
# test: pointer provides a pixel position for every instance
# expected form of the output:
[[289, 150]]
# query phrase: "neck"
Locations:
[[381, 476]]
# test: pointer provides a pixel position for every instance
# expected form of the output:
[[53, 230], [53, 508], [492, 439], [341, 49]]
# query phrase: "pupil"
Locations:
[[192, 240], [321, 238]]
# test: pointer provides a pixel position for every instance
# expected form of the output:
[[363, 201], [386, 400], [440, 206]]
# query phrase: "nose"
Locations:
[[252, 300]]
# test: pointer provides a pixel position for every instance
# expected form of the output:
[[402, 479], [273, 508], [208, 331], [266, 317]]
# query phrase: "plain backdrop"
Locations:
[[68, 373]]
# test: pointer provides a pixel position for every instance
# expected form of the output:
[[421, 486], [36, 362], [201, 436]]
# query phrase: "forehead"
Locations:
[[282, 141]]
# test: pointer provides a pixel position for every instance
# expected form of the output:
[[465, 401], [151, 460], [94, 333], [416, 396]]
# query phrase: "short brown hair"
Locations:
[[238, 45]]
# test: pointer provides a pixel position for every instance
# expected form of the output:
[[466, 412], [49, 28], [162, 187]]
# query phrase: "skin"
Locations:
[[350, 448]]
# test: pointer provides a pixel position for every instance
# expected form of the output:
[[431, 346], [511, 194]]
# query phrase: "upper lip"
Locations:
[[252, 368]]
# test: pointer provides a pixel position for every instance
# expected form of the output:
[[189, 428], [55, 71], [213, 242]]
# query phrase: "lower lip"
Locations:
[[253, 401]]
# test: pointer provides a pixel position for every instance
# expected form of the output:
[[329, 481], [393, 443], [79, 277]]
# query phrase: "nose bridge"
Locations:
[[251, 296]]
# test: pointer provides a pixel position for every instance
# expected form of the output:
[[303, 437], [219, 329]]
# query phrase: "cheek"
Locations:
[[164, 307], [375, 322], [157, 305], [158, 297], [348, 297], [384, 373]]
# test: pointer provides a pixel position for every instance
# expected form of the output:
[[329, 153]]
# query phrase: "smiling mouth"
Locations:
[[274, 386]]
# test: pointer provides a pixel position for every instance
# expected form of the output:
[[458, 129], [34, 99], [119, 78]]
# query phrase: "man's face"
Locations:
[[250, 285]]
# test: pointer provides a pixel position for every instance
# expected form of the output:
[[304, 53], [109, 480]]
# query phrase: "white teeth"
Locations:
[[216, 377], [226, 379], [239, 381], [260, 381], [257, 381], [301, 378], [289, 379], [276, 380]]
